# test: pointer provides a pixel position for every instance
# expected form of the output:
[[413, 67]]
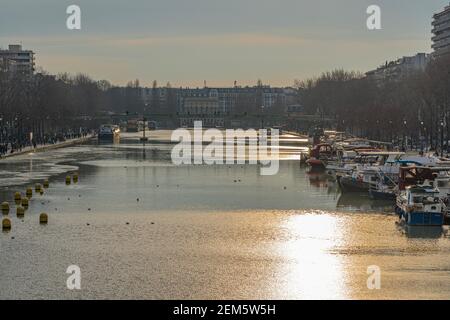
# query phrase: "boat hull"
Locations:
[[316, 164], [379, 195], [418, 218], [106, 137], [349, 184]]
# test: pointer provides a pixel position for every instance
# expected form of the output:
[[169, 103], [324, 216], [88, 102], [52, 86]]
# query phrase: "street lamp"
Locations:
[[442, 138], [1, 128], [391, 131], [404, 136], [262, 117], [422, 136]]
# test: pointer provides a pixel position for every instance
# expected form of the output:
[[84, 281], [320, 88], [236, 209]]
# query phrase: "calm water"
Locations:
[[205, 232]]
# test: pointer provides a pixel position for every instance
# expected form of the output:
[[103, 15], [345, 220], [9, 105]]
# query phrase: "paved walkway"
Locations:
[[46, 147]]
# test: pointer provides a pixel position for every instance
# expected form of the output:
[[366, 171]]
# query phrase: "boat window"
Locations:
[[443, 184], [417, 199]]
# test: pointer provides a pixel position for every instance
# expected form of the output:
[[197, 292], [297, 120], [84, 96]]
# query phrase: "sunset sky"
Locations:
[[187, 42]]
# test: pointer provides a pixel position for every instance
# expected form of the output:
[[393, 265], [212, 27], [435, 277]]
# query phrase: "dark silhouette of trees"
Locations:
[[413, 111]]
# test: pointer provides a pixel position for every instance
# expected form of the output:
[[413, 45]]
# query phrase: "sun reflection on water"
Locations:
[[310, 270]]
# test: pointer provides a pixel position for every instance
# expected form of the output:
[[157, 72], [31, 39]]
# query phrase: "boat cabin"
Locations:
[[322, 150], [422, 206], [416, 175]]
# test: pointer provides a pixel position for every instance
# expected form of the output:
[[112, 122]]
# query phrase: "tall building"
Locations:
[[15, 59], [400, 69], [204, 109], [441, 31], [229, 98]]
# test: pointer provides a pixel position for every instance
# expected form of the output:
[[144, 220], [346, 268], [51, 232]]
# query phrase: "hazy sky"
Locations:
[[188, 41]]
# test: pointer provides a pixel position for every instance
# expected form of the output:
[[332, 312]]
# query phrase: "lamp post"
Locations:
[[391, 131], [404, 135], [2, 129], [262, 117], [144, 120], [442, 137], [422, 136]]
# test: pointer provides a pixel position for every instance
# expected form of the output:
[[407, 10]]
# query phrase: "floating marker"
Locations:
[[75, 178], [20, 211], [46, 184], [17, 196], [6, 224], [68, 180], [25, 203], [38, 187], [5, 207], [43, 218], [29, 192]]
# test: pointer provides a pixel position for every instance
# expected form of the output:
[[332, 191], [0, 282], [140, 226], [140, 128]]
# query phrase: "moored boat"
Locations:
[[356, 182], [382, 191], [420, 206], [320, 155], [108, 132]]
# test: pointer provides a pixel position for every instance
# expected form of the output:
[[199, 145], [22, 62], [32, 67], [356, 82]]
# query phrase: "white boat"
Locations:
[[372, 167], [378, 166]]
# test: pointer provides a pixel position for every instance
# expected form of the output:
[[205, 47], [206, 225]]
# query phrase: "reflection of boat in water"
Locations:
[[362, 201], [420, 232], [108, 133], [319, 179]]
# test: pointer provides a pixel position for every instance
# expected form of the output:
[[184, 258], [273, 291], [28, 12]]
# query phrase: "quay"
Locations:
[[46, 147]]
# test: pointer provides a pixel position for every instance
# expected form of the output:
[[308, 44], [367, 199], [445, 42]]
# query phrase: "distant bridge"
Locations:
[[295, 121]]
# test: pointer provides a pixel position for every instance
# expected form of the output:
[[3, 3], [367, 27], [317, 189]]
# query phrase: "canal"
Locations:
[[140, 227]]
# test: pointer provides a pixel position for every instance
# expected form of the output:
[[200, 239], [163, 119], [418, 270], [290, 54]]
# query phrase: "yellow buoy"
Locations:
[[43, 218], [41, 192], [20, 211], [6, 224], [5, 207], [29, 192], [46, 184], [75, 178], [68, 180], [25, 203], [17, 196], [37, 187]]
